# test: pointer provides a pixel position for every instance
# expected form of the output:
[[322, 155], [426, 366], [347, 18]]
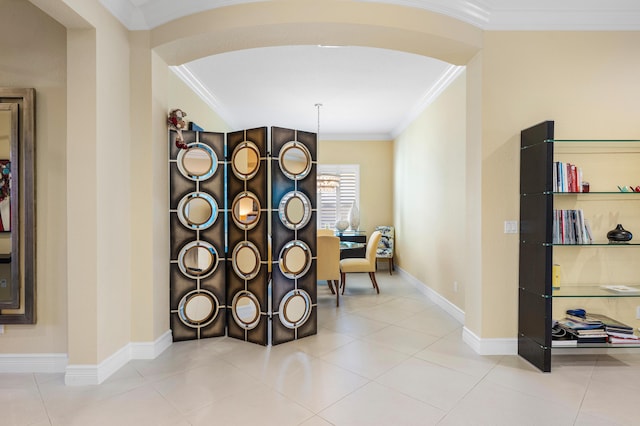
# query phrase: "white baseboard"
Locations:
[[150, 350], [88, 374], [33, 363], [434, 296], [84, 374], [498, 346]]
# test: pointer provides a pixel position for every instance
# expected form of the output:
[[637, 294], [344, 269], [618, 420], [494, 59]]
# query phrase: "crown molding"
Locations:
[[185, 74], [372, 137], [497, 15], [447, 77]]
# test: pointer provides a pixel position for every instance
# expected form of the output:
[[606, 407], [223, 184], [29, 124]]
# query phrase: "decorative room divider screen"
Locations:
[[243, 235]]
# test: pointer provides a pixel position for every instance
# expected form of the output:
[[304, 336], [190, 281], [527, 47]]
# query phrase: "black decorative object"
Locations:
[[619, 234]]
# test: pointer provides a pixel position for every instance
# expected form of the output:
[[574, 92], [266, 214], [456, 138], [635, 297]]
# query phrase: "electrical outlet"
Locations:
[[510, 227], [455, 287], [638, 312]]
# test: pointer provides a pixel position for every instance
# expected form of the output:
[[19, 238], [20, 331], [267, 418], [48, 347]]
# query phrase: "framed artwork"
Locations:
[[5, 196]]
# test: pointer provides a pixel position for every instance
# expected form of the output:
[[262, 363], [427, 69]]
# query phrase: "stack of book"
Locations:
[[618, 332], [570, 227], [584, 330], [597, 328], [566, 177]]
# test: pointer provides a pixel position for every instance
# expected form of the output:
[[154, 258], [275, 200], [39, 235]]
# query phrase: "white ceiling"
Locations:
[[365, 93]]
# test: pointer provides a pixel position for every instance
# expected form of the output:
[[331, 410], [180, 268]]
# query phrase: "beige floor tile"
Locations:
[[365, 358], [566, 386], [375, 404], [385, 312], [432, 321], [319, 385], [453, 353], [20, 401], [316, 421], [269, 364], [140, 406], [355, 325], [322, 343], [615, 401], [489, 404], [199, 387], [400, 339], [60, 399], [436, 385], [260, 406]]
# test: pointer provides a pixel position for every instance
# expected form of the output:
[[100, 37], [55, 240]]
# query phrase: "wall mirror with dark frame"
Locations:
[[17, 206]]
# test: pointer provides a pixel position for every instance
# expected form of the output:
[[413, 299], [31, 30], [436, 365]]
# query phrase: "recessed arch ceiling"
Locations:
[[366, 93]]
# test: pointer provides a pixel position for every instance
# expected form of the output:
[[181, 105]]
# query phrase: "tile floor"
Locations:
[[388, 359]]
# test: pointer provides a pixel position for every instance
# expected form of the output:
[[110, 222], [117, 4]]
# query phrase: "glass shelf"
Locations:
[[596, 244], [625, 194], [592, 291], [593, 194], [597, 345], [627, 141]]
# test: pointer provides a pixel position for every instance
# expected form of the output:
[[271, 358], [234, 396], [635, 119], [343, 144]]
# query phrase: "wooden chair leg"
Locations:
[[390, 265], [330, 284], [336, 283], [343, 280], [372, 275]]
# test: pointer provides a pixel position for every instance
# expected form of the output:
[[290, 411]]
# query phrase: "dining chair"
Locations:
[[365, 264], [328, 263], [386, 246], [326, 231]]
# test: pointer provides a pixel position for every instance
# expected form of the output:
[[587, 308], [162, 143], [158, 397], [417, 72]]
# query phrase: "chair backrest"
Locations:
[[388, 235], [328, 263], [372, 248], [325, 231]]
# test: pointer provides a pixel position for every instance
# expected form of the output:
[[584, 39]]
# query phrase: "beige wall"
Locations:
[[429, 194], [33, 50], [376, 176], [588, 83]]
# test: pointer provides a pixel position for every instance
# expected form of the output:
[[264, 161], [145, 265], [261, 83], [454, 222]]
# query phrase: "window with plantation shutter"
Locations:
[[335, 205]]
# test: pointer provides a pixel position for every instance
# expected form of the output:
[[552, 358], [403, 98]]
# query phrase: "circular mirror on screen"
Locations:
[[245, 309], [197, 210], [245, 210], [245, 160], [295, 160], [246, 260], [294, 210], [198, 259], [198, 162], [295, 308], [295, 259], [198, 308]]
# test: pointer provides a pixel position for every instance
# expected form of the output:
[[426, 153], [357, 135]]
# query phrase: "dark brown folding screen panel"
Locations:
[[197, 235], [536, 218], [248, 250], [293, 186]]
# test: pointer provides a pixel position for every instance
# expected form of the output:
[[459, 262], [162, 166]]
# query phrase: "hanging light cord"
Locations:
[[318, 108]]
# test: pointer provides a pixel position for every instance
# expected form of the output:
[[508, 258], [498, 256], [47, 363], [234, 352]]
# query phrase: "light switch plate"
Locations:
[[510, 227]]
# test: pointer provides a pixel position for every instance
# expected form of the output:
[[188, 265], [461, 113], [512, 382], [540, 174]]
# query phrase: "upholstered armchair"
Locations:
[[386, 246], [328, 263], [366, 264]]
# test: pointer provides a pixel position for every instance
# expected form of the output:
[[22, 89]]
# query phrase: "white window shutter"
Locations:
[[333, 206]]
